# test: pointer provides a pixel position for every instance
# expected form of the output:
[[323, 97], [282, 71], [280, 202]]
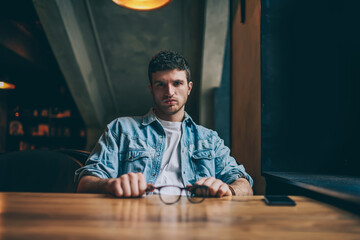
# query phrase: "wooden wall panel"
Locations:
[[246, 99]]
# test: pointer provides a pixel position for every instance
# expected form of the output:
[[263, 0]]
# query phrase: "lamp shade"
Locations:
[[142, 5]]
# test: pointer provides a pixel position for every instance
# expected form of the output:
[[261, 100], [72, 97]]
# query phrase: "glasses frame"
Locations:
[[187, 189]]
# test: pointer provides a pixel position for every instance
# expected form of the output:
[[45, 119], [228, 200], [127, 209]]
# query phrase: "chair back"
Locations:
[[79, 155], [37, 171]]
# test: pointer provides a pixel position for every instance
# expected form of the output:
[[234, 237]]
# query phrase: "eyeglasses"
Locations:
[[170, 194]]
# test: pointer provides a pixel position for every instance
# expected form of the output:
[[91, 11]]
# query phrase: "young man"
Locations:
[[164, 147]]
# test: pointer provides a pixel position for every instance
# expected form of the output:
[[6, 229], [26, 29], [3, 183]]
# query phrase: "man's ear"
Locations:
[[190, 85]]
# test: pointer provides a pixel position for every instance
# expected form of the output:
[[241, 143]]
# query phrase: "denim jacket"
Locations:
[[136, 144]]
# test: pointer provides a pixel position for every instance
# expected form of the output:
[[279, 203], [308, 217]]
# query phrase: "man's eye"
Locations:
[[177, 83]]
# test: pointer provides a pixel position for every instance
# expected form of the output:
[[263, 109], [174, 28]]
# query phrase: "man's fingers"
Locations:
[[214, 187], [209, 181], [224, 190], [116, 188], [205, 182], [141, 184], [125, 185], [201, 181], [134, 184], [128, 185]]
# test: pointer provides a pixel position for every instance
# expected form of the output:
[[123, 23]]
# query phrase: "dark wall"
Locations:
[[310, 85]]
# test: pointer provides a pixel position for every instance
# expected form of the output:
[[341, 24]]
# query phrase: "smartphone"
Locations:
[[278, 200]]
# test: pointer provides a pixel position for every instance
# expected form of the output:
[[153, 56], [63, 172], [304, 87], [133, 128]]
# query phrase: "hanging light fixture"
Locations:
[[5, 85], [142, 5]]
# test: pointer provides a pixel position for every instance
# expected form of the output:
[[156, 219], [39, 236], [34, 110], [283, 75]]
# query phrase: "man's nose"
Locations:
[[170, 90]]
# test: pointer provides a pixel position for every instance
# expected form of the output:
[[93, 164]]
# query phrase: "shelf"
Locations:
[[335, 187], [44, 142], [44, 137]]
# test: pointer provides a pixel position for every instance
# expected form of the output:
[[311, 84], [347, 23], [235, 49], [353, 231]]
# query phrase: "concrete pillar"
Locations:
[[216, 28]]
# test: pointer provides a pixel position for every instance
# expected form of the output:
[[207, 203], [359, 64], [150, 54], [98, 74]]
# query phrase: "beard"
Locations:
[[162, 108]]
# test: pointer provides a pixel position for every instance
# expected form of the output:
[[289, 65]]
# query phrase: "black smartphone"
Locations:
[[279, 200]]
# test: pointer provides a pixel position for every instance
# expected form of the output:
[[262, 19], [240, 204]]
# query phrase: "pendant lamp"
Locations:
[[142, 5]]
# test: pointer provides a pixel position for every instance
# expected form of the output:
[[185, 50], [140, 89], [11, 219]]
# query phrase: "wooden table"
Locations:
[[96, 216]]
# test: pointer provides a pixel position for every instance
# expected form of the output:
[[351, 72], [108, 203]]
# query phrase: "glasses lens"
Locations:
[[197, 194], [170, 194]]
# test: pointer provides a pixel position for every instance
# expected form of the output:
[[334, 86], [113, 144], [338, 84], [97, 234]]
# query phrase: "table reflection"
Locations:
[[150, 209]]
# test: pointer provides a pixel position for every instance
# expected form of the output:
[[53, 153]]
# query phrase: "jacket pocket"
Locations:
[[204, 164], [136, 161], [134, 155]]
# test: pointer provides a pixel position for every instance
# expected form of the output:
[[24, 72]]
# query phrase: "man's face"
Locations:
[[170, 91]]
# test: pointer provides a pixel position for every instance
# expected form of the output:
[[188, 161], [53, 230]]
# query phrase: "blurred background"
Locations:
[[77, 65], [278, 80]]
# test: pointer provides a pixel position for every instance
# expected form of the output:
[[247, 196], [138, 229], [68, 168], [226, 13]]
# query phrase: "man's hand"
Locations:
[[127, 185], [217, 188]]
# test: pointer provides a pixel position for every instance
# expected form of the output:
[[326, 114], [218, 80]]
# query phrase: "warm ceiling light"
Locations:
[[142, 5], [5, 85]]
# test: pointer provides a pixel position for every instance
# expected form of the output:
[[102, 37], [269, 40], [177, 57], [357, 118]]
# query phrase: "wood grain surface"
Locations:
[[96, 216], [246, 92]]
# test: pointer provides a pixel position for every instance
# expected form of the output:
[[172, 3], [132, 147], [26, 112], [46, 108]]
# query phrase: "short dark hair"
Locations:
[[168, 60]]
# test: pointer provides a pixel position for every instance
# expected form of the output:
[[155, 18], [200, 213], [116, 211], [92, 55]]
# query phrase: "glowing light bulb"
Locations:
[[5, 85], [142, 5]]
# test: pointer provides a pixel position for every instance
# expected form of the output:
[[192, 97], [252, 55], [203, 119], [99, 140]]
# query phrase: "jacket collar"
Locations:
[[150, 117]]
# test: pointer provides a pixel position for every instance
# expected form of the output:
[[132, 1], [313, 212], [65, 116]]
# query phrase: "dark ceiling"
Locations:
[[24, 47], [26, 58]]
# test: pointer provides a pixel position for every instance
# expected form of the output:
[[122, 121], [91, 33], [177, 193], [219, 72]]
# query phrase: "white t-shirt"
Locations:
[[170, 170]]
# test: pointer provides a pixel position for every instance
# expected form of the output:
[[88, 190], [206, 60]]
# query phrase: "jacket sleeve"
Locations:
[[103, 160], [226, 167]]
